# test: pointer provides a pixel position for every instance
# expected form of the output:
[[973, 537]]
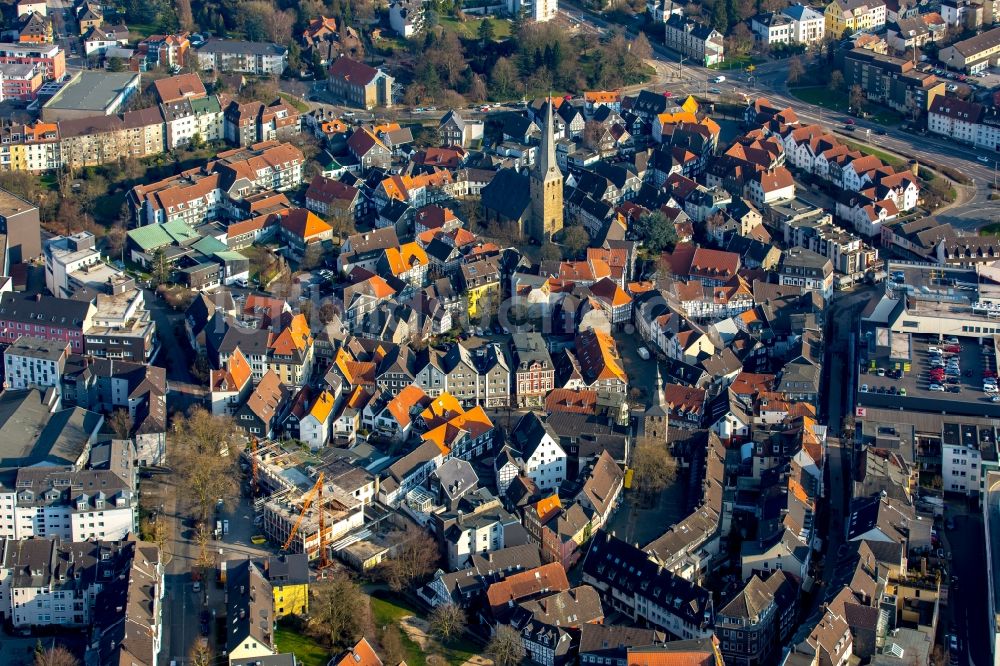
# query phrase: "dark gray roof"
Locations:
[[508, 194]]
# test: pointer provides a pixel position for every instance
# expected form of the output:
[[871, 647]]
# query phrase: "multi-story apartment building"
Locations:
[[186, 119], [808, 25], [360, 84], [20, 81], [46, 317], [854, 16], [894, 82], [534, 373], [752, 626], [209, 192], [226, 55], [50, 57], [635, 586], [975, 54], [253, 122], [804, 268], [98, 140], [34, 363], [76, 583], [698, 41], [967, 122], [20, 222], [122, 328]]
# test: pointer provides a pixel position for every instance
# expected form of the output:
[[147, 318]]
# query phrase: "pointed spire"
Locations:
[[659, 386], [547, 154]]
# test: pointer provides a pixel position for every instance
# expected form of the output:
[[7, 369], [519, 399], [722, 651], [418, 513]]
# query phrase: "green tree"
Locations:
[[487, 33], [656, 231], [160, 267], [720, 18]]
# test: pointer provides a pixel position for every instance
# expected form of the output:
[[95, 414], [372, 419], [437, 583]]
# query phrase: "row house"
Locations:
[[635, 586]]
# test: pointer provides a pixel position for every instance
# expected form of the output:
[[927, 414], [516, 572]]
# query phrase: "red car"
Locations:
[[953, 349], [989, 373], [937, 373]]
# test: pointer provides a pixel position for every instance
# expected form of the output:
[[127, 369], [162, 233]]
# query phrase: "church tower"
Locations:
[[546, 187], [657, 417]]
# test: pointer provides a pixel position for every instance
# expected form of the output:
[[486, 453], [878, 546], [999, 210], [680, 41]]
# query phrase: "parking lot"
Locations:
[[961, 378]]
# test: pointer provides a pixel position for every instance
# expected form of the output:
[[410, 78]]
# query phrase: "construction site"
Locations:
[[306, 502]]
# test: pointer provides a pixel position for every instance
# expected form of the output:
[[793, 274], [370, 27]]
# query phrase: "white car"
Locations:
[[935, 387], [643, 353], [933, 350], [864, 388], [995, 398], [952, 340]]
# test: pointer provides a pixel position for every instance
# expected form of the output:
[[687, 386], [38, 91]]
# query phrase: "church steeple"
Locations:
[[546, 186], [547, 151]]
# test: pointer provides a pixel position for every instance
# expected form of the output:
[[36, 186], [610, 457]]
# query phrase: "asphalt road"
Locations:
[[967, 599]]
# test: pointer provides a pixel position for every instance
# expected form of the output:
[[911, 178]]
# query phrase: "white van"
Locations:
[[719, 79]]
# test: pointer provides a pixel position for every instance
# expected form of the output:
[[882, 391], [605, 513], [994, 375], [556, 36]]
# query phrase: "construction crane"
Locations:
[[315, 493]]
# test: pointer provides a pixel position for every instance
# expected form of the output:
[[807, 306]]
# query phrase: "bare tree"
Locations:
[[505, 648], [185, 17], [795, 70], [202, 535], [201, 654], [416, 557], [56, 655], [652, 466], [339, 611], [447, 621], [121, 423], [204, 451]]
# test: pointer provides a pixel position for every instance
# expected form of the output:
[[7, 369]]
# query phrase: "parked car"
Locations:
[[935, 387], [864, 388], [643, 353]]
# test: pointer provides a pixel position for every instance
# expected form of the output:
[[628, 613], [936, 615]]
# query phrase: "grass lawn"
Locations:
[[388, 613], [141, 29], [297, 103], [990, 229], [306, 650], [891, 160], [822, 96], [737, 62], [469, 29]]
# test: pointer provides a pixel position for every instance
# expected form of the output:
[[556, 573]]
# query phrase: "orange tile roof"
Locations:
[[361, 654], [405, 257], [359, 397], [443, 408], [401, 406], [234, 376], [303, 223], [572, 401], [323, 406], [549, 577], [296, 337], [547, 506], [602, 96]]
